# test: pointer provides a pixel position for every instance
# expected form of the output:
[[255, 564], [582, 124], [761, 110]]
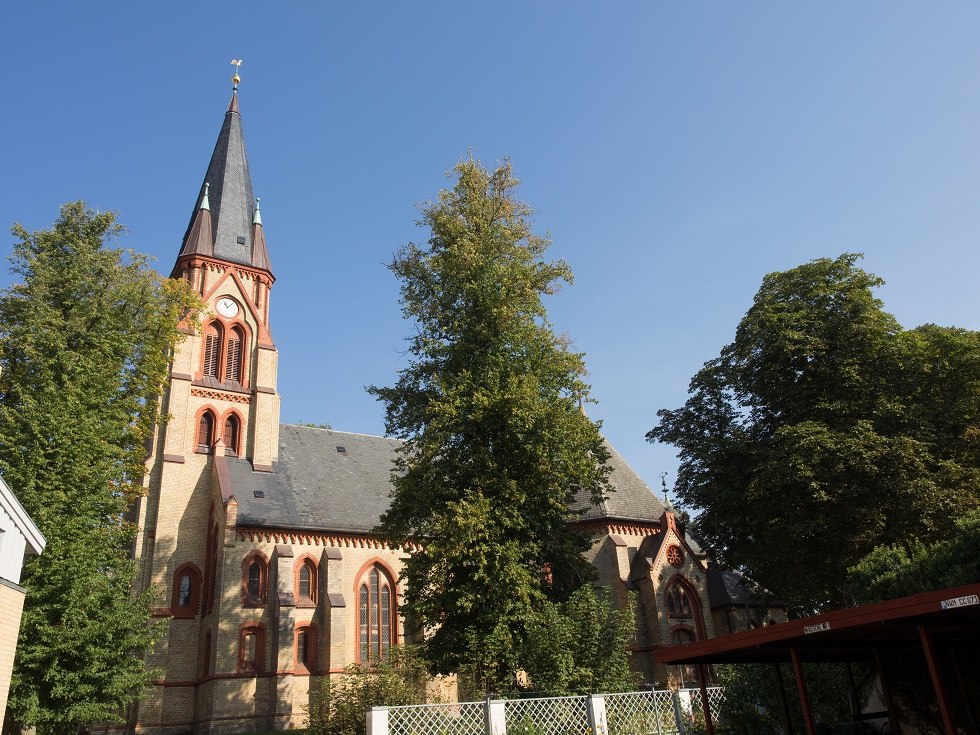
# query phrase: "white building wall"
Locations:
[[12, 547]]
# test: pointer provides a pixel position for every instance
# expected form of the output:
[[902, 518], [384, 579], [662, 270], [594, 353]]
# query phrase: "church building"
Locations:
[[259, 534]]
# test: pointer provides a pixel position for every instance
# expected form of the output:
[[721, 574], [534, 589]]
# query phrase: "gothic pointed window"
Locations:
[[233, 355], [251, 649], [305, 648], [679, 602], [205, 432], [232, 434], [375, 616], [255, 579], [212, 350], [186, 596], [306, 583]]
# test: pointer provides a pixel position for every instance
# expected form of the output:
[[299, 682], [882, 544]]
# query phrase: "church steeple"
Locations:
[[226, 194]]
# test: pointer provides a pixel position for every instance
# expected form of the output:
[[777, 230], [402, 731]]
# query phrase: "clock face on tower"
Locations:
[[227, 307]]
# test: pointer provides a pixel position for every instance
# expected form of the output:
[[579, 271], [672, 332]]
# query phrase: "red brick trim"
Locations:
[[263, 560], [360, 541]]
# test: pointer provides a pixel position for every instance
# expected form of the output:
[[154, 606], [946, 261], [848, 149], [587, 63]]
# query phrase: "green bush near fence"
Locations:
[[338, 706]]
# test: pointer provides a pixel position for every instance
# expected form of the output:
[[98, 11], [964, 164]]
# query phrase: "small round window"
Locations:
[[674, 555]]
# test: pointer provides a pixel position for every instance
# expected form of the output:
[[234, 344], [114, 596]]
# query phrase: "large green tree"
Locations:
[[84, 341], [496, 446], [825, 430]]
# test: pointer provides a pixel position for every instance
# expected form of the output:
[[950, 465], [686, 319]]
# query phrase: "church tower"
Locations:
[[220, 404]]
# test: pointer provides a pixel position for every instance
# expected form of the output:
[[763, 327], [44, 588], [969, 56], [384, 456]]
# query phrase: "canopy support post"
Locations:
[[937, 679], [801, 688]]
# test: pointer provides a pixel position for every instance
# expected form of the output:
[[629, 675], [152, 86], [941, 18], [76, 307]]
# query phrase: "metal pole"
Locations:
[[937, 679], [801, 688], [705, 705]]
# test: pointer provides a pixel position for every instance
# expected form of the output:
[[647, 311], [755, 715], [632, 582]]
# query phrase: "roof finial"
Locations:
[[235, 79], [257, 219], [205, 204]]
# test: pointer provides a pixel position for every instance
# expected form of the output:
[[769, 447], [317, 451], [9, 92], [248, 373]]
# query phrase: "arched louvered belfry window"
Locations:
[[375, 616], [212, 350], [234, 352], [232, 434], [205, 431]]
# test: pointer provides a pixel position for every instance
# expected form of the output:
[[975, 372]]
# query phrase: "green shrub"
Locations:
[[339, 706]]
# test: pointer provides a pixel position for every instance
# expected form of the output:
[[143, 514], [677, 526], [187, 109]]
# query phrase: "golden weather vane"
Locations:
[[235, 78]]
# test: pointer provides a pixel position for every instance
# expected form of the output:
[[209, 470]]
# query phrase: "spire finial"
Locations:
[[205, 204], [257, 219], [235, 79]]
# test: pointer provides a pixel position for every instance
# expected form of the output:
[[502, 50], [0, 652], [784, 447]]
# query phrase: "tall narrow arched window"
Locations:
[[233, 354], [306, 583], [186, 596], [305, 648], [232, 434], [205, 431], [212, 350], [255, 579], [251, 649], [375, 616]]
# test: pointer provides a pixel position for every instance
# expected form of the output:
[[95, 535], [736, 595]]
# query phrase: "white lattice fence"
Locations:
[[547, 716], [634, 713], [463, 718], [694, 708], [640, 713]]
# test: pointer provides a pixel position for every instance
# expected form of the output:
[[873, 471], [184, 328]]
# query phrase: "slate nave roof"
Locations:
[[336, 481]]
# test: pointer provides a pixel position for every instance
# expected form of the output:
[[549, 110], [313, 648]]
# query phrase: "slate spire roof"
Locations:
[[230, 204]]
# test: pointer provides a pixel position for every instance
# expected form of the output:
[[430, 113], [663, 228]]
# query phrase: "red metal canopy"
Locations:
[[947, 616]]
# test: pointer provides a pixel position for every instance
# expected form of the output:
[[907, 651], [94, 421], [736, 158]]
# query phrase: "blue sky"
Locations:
[[676, 152]]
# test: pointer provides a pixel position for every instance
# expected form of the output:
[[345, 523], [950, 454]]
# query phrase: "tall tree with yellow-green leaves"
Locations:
[[85, 337], [496, 446]]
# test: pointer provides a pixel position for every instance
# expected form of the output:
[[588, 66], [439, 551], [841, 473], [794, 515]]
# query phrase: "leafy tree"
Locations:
[[496, 444], [825, 430], [579, 646], [897, 571], [84, 343]]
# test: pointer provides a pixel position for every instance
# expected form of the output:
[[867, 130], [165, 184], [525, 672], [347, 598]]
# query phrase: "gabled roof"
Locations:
[[315, 486], [633, 500], [231, 202], [15, 511]]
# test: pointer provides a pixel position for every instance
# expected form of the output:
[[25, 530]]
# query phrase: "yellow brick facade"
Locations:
[[11, 607]]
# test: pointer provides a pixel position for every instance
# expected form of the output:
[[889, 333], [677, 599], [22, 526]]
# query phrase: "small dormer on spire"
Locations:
[[198, 239]]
